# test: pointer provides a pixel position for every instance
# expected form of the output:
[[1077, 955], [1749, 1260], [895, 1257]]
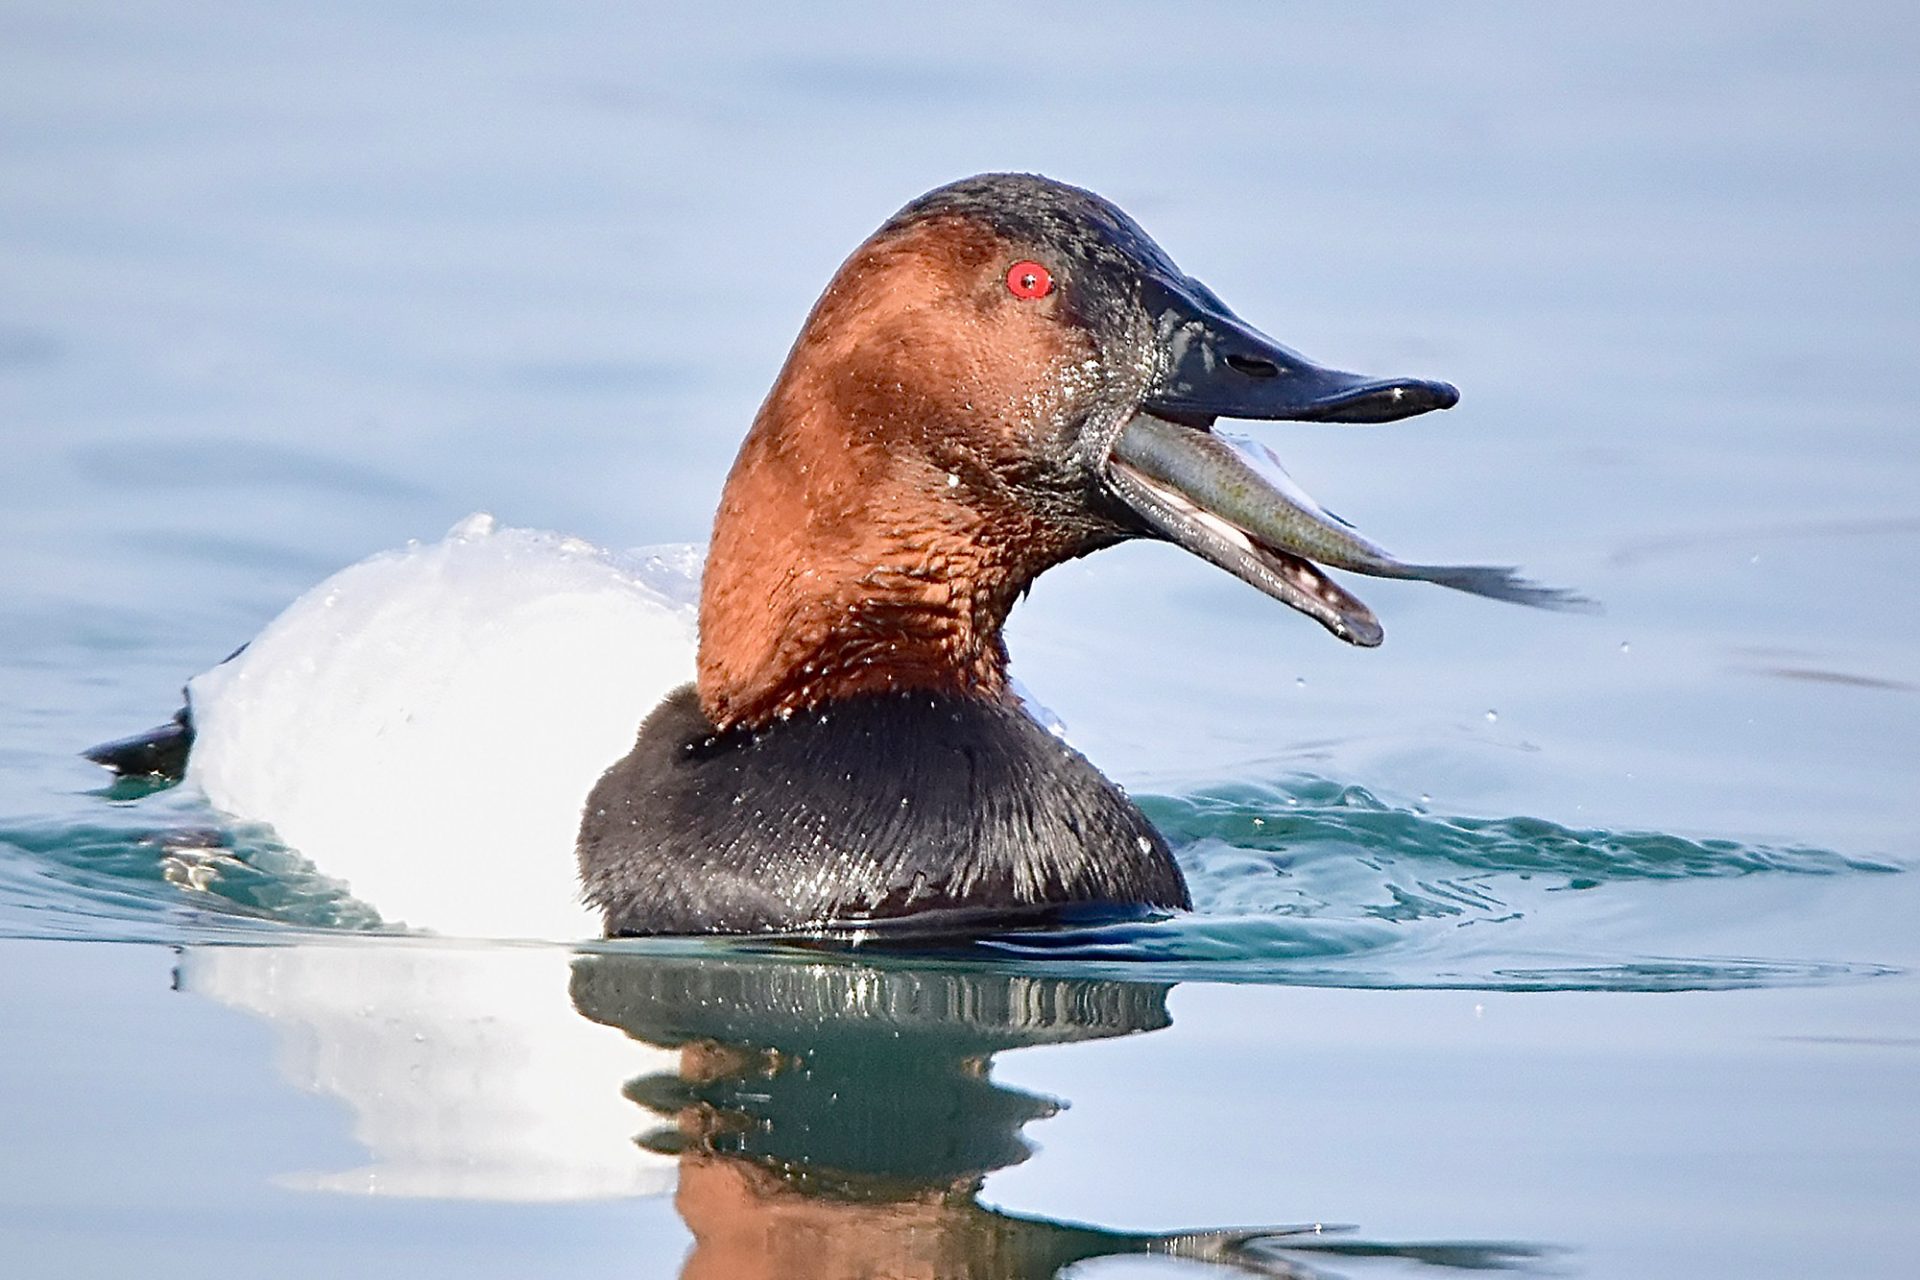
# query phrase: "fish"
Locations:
[[1237, 490]]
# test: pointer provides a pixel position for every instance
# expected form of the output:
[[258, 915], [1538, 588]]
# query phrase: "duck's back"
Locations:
[[425, 724]]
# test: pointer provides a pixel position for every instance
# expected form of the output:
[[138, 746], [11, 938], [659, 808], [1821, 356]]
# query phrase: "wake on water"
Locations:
[[1303, 880]]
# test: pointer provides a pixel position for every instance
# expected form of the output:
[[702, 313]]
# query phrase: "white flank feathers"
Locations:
[[426, 724]]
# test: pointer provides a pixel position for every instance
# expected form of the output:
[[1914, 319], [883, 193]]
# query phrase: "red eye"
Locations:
[[1029, 280]]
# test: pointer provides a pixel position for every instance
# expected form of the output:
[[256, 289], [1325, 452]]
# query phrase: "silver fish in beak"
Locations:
[[1232, 503]]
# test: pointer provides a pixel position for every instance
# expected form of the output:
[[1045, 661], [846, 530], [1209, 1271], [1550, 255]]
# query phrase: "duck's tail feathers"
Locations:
[[158, 753]]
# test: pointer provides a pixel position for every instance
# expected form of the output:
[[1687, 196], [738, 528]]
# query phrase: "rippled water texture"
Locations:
[[1305, 881], [1528, 941]]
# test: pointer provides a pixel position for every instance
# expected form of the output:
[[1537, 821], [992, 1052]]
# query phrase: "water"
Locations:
[[1546, 942]]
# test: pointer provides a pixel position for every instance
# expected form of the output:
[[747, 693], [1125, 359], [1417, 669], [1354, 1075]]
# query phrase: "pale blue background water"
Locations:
[[281, 285]]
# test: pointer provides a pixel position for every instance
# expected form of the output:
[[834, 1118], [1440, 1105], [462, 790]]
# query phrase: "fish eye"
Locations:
[[1026, 279]]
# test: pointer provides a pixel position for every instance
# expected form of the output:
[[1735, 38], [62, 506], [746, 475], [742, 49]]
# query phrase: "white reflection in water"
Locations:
[[468, 1072]]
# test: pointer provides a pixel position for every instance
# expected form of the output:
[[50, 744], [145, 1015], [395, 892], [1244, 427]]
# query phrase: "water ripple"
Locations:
[[1310, 818], [1305, 881], [165, 873]]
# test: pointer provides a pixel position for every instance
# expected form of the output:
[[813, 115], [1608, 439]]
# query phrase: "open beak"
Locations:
[[1231, 503]]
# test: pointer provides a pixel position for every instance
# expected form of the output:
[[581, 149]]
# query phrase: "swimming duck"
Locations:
[[1009, 374]]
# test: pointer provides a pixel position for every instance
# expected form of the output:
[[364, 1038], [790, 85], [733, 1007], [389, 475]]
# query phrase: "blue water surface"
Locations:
[[1542, 942]]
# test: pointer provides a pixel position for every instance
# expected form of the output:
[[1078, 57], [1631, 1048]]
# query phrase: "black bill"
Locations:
[[1216, 365]]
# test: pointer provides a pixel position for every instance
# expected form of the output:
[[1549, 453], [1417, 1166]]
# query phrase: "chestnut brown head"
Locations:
[[945, 429]]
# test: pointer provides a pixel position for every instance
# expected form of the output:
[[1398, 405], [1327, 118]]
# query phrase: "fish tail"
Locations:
[[1503, 582]]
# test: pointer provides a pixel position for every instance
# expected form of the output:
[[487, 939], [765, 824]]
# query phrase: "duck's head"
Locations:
[[953, 421]]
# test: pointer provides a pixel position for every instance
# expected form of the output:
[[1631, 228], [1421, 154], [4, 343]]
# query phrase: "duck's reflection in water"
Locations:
[[826, 1116], [836, 1119], [467, 1073]]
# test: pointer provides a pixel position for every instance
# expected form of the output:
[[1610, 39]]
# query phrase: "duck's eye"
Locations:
[[1029, 280]]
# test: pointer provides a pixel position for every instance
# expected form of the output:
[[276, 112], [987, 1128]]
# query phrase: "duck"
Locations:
[[512, 733]]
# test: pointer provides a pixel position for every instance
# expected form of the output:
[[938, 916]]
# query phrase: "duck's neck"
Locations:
[[850, 572]]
